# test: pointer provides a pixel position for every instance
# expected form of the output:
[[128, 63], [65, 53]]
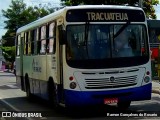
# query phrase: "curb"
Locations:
[[156, 91], [6, 71]]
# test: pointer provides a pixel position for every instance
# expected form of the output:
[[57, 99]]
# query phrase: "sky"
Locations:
[[4, 4], [157, 10]]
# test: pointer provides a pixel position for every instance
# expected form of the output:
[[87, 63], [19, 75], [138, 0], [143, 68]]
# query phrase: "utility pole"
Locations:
[[141, 3]]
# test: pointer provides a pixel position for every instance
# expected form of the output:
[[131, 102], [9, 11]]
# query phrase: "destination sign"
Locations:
[[104, 15]]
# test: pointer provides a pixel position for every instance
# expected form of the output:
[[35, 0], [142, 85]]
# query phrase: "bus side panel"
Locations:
[[43, 89], [39, 79], [51, 71], [27, 69], [19, 76], [51, 67]]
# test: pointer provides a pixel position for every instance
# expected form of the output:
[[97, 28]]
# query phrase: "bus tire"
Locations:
[[28, 91], [123, 105], [52, 93]]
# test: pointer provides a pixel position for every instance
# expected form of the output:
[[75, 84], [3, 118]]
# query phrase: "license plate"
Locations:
[[110, 100]]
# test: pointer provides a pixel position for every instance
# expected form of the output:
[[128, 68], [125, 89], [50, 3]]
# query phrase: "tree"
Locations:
[[18, 14], [149, 9], [147, 4], [9, 53], [13, 21]]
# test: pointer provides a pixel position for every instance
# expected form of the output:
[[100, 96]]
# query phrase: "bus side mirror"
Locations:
[[62, 35]]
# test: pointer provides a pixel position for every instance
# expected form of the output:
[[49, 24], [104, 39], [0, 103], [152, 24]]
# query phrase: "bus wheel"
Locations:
[[123, 105], [52, 94], [28, 92]]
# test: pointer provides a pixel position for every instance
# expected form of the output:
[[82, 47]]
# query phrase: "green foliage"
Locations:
[[149, 9], [13, 22], [13, 14], [9, 53], [147, 4], [99, 2], [18, 14]]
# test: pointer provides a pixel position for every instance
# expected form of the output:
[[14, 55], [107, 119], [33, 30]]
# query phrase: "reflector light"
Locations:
[[148, 73], [71, 78]]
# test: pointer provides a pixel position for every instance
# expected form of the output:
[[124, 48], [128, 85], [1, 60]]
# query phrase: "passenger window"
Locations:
[[18, 45], [43, 40], [52, 38]]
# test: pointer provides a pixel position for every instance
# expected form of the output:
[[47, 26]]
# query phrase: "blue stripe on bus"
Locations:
[[82, 98]]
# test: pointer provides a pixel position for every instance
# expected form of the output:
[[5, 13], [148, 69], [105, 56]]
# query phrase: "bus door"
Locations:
[[60, 64], [19, 60], [61, 72]]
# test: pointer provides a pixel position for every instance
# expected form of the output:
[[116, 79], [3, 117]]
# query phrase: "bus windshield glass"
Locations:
[[107, 41]]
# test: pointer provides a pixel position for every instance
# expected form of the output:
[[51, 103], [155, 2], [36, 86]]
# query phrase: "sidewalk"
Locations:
[[156, 87], [7, 70]]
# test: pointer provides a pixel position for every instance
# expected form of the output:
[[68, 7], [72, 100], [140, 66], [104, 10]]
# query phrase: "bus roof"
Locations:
[[102, 6], [60, 12]]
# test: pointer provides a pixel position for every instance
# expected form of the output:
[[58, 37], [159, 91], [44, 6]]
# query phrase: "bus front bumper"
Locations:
[[85, 98]]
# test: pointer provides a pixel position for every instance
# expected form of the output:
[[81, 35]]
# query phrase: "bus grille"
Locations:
[[101, 83]]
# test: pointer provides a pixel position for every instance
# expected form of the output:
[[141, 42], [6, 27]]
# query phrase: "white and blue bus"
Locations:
[[73, 57]]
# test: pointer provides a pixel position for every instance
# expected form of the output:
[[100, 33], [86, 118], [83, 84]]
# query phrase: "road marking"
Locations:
[[12, 86], [12, 107]]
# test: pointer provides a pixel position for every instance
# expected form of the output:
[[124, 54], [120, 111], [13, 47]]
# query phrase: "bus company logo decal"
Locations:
[[112, 79], [35, 66]]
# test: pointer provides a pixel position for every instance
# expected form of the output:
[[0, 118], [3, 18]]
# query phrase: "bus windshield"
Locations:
[[106, 41]]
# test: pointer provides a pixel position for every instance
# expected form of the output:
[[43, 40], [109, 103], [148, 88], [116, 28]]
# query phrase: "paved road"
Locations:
[[15, 100]]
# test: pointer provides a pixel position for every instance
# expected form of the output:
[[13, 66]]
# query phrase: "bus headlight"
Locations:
[[73, 85], [146, 79]]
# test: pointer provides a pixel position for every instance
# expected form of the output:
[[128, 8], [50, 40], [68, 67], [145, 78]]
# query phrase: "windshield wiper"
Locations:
[[118, 32], [121, 29]]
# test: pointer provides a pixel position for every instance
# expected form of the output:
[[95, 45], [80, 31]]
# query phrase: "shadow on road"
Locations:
[[42, 106]]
